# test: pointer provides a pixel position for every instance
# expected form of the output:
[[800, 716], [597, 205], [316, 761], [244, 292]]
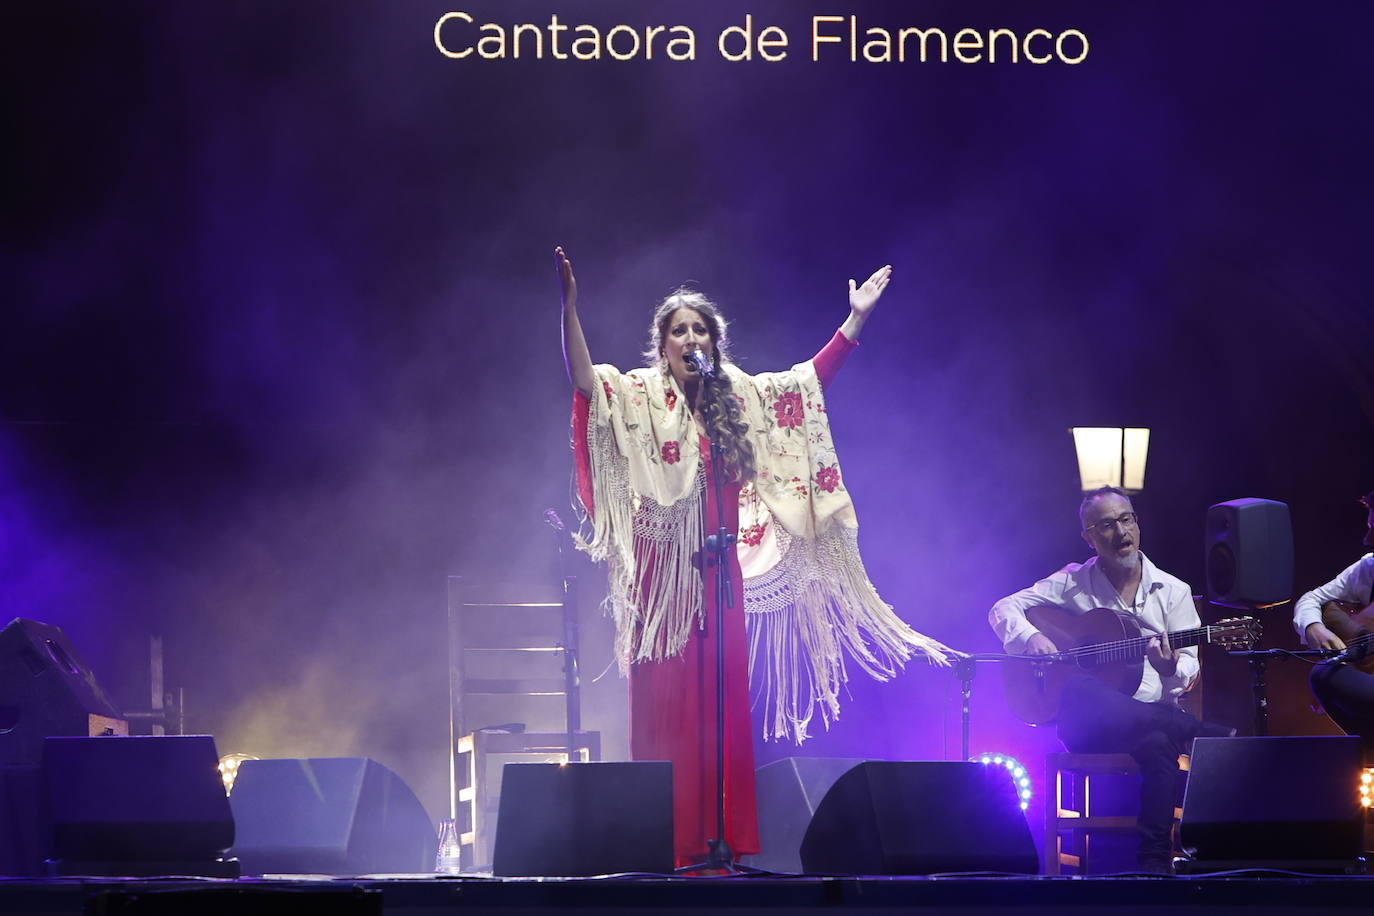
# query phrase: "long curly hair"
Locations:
[[719, 407]]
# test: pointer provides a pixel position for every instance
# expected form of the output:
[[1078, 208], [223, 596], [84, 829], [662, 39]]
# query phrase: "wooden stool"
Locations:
[[1069, 809]]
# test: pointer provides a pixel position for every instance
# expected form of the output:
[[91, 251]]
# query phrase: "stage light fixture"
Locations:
[[1367, 787], [229, 769], [1111, 456], [1020, 776]]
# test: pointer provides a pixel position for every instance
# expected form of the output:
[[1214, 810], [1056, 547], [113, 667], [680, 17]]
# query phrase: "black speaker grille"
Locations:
[[1221, 569]]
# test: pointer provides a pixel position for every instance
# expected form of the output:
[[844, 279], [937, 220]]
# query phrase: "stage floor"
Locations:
[[1246, 892]]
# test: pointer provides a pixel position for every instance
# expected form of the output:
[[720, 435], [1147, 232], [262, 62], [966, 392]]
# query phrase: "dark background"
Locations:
[[280, 344]]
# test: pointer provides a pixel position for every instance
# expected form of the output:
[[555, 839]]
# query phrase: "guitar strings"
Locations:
[[1136, 642], [1132, 646]]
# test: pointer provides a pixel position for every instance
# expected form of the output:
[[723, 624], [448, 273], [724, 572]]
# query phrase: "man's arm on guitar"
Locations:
[[1317, 636], [1351, 585], [1008, 617]]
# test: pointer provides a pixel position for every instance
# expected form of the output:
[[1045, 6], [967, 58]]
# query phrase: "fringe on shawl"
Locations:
[[649, 550], [804, 616]]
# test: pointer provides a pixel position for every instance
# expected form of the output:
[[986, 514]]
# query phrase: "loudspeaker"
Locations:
[[1273, 799], [121, 803], [46, 690], [1249, 552], [920, 818], [584, 819], [332, 816], [788, 792]]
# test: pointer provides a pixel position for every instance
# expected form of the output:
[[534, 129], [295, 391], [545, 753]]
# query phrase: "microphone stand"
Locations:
[[966, 669], [719, 856], [1259, 687], [572, 677]]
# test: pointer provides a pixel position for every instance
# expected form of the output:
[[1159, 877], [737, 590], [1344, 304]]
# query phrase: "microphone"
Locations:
[[702, 363]]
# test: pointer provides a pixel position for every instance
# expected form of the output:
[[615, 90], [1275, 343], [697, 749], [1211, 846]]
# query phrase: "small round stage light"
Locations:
[[1019, 775], [1367, 787], [229, 769]]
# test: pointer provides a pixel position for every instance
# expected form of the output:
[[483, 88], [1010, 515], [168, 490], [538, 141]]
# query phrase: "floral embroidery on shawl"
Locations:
[[808, 601]]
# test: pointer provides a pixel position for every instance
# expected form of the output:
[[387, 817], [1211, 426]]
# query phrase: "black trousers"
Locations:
[[1095, 719], [1347, 695]]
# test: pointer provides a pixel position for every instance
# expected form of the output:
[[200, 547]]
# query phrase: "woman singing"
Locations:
[[802, 600]]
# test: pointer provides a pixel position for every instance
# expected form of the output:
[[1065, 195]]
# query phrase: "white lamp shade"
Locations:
[[1100, 456], [1137, 442]]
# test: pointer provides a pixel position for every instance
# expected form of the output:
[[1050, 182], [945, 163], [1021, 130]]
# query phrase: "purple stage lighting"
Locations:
[[1013, 766]]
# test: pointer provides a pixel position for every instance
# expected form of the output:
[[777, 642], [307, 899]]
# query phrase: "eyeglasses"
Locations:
[[1105, 526]]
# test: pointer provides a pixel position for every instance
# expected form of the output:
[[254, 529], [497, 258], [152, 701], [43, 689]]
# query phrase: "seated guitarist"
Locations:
[[1093, 716], [1346, 693]]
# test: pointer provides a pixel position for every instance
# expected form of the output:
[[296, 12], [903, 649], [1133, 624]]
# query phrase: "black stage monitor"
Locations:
[[1273, 799], [920, 818], [328, 815], [584, 819]]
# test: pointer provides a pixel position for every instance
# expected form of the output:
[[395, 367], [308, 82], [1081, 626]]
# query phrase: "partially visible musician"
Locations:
[[1094, 718], [1347, 694]]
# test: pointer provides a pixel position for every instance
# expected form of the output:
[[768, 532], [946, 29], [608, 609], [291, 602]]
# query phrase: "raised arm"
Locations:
[[832, 356], [862, 299], [575, 355]]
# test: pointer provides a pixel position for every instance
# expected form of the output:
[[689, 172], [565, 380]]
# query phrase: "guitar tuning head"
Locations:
[[1237, 632]]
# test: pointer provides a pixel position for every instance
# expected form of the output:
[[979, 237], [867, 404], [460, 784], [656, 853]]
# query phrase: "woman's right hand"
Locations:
[[565, 276], [575, 355]]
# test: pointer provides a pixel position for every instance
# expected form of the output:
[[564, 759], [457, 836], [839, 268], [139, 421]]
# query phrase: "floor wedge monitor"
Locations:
[[920, 818]]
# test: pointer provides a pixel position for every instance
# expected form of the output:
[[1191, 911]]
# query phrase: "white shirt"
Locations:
[[1162, 603], [1353, 584]]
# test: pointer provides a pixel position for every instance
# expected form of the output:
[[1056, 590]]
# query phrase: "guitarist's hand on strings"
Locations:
[[1040, 644], [1161, 655], [1319, 637]]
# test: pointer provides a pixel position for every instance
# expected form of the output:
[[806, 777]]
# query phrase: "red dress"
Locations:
[[673, 701]]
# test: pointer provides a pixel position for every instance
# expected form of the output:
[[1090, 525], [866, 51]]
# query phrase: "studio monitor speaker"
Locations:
[[584, 819], [330, 815], [920, 818], [1273, 799], [1249, 552], [46, 690]]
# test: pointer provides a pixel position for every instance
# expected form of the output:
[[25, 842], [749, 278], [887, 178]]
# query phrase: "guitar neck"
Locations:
[[1134, 647]]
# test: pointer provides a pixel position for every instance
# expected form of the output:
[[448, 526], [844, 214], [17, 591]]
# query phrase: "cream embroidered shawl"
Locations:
[[807, 598]]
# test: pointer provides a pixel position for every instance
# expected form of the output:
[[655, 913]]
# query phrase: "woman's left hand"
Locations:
[[863, 298]]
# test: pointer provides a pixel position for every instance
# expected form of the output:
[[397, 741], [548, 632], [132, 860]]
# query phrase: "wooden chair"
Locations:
[[1069, 808], [516, 658]]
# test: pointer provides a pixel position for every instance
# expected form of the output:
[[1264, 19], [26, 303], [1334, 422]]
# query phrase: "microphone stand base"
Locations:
[[719, 861]]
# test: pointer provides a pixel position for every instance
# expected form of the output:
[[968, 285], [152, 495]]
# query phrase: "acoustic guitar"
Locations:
[[1355, 626], [1103, 644]]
